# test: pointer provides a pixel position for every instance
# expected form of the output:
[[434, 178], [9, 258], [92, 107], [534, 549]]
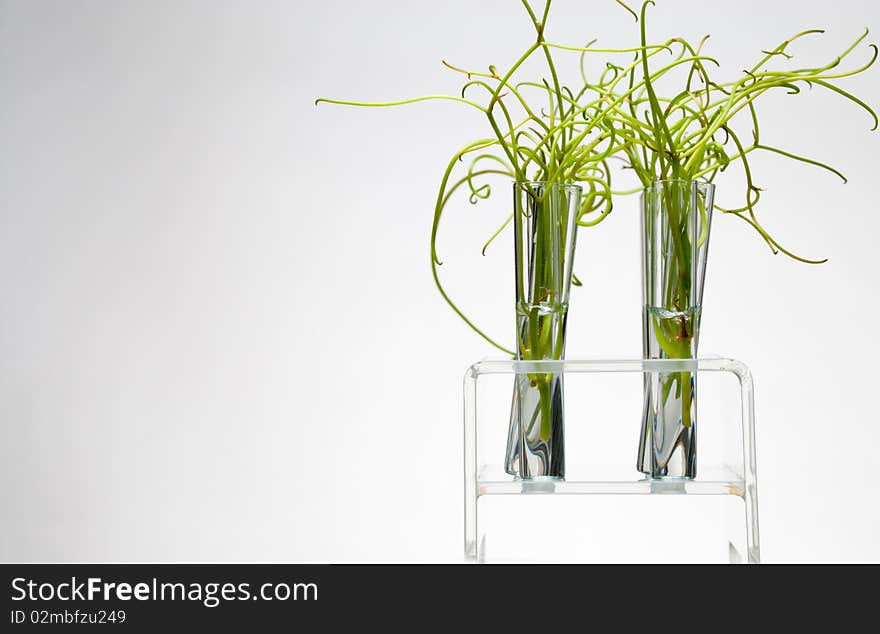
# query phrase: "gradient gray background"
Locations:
[[219, 337]]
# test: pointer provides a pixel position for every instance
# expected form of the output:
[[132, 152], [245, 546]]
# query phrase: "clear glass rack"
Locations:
[[605, 510]]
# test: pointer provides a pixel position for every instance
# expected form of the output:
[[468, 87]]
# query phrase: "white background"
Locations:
[[219, 337]]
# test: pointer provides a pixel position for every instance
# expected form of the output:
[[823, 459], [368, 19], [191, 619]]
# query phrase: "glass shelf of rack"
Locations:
[[605, 510]]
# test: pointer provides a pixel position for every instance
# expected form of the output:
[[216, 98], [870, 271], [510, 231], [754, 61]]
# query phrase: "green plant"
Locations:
[[680, 124], [542, 131], [689, 132]]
